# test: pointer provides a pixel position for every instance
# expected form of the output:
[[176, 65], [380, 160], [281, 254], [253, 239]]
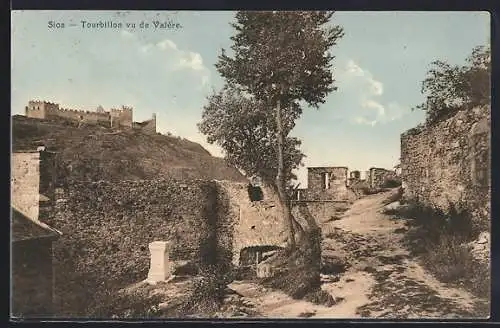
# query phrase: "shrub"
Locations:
[[208, 293], [298, 273], [111, 304], [440, 239], [391, 183]]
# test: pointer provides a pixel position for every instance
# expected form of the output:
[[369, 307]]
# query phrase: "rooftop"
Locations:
[[25, 228]]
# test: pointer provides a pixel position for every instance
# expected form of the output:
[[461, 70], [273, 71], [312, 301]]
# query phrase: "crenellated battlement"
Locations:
[[114, 117], [41, 102]]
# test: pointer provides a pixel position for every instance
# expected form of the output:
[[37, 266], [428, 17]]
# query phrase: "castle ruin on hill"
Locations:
[[114, 118]]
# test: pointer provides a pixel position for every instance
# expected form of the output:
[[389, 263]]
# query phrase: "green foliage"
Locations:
[[449, 88], [245, 130], [285, 50], [391, 183], [439, 239], [113, 305], [279, 59], [281, 55]]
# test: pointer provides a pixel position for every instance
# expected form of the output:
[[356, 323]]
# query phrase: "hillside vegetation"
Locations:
[[98, 153]]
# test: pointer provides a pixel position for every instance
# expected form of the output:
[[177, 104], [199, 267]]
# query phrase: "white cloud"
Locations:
[[376, 87], [167, 44], [179, 59], [192, 60], [362, 93]]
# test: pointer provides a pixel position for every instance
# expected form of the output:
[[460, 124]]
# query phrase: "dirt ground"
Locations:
[[381, 279]]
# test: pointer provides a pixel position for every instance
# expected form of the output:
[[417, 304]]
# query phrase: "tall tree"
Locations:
[[449, 88], [282, 59], [244, 128]]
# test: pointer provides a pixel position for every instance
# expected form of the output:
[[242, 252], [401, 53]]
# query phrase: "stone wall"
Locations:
[[321, 211], [122, 117], [255, 223], [448, 164], [25, 181], [379, 176], [147, 127], [107, 227], [32, 278], [113, 118], [326, 183]]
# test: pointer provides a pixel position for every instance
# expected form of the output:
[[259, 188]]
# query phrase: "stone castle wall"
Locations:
[[147, 127], [122, 117], [326, 183], [448, 164], [47, 110]]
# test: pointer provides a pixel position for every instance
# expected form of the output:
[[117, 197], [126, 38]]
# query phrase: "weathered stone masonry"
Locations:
[[448, 164], [31, 239], [114, 118], [326, 183]]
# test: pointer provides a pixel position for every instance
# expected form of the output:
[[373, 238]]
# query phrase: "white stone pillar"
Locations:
[[160, 266]]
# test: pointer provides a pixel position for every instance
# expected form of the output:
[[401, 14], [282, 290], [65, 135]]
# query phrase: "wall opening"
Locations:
[[252, 255], [255, 193], [326, 180]]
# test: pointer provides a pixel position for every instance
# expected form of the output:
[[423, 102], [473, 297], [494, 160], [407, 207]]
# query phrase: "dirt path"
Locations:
[[381, 280]]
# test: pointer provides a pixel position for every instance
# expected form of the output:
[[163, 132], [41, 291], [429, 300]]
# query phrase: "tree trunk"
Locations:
[[280, 180]]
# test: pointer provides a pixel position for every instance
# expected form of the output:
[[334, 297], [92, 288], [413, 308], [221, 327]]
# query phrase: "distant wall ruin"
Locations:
[[114, 118], [326, 183], [448, 164], [379, 176]]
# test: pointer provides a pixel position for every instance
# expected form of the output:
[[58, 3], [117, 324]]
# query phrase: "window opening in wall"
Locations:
[[326, 181], [255, 193]]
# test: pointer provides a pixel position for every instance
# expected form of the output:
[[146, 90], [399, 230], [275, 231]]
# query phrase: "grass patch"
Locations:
[[298, 274], [439, 240], [208, 294], [113, 305], [391, 183]]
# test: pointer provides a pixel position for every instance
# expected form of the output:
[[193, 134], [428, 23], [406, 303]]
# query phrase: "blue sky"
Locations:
[[379, 65]]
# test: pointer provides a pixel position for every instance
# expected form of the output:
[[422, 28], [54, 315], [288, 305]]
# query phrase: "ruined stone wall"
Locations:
[[336, 183], [82, 116], [255, 223], [46, 110], [35, 112], [107, 227], [147, 127], [25, 181], [379, 176], [448, 164], [321, 211], [122, 117]]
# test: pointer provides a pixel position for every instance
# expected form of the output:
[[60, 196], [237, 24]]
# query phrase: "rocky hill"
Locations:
[[99, 153]]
